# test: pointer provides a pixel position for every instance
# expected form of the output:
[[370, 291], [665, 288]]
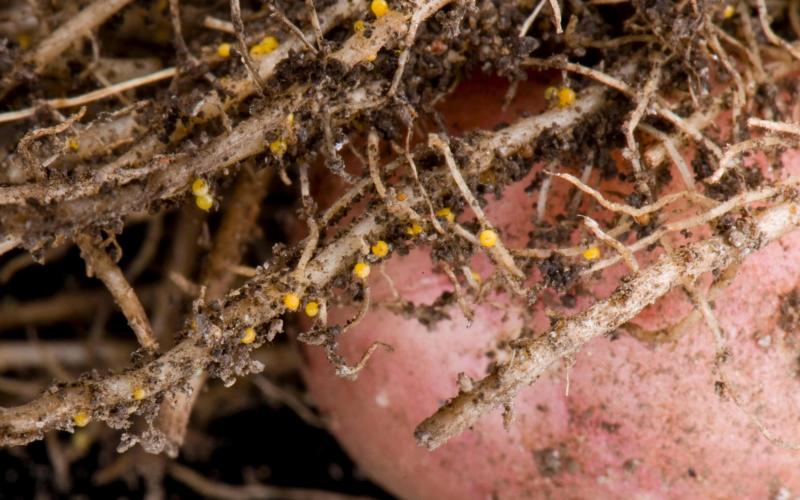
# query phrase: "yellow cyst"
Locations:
[[265, 46], [278, 147], [550, 92], [249, 335], [138, 393], [199, 187], [81, 419], [488, 238], [643, 219], [729, 11], [72, 144], [592, 253], [566, 96], [476, 276], [204, 202], [379, 7], [371, 57], [291, 301], [24, 41], [290, 119], [224, 50], [358, 26], [81, 440], [414, 229], [380, 249], [312, 308], [446, 213], [361, 270]]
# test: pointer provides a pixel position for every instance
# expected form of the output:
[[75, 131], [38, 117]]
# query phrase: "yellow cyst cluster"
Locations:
[[278, 147], [291, 301], [358, 26], [380, 249], [81, 419], [72, 144], [312, 308], [201, 191], [591, 253], [138, 393], [446, 213], [414, 229], [379, 7], [488, 238], [224, 50], [361, 270], [265, 46], [249, 335]]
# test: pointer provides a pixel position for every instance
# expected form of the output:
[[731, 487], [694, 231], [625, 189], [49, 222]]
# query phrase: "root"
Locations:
[[532, 357], [59, 40], [99, 264], [723, 355], [297, 107], [26, 423], [627, 255]]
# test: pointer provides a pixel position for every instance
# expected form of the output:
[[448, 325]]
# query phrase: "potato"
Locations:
[[625, 419]]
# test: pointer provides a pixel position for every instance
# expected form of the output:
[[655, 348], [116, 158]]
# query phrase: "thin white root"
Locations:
[[627, 209], [627, 255], [780, 127], [763, 17], [731, 156], [674, 155], [95, 95], [701, 301], [531, 18]]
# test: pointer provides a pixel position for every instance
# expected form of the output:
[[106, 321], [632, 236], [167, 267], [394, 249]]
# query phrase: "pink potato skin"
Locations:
[[640, 420]]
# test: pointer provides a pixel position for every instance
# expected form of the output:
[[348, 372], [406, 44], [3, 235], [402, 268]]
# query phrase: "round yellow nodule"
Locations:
[[361, 270], [265, 46], [291, 301], [591, 253], [81, 419], [566, 96], [199, 187], [414, 229], [379, 7], [488, 238], [312, 309], [138, 393], [249, 335], [278, 147], [446, 213], [224, 50], [204, 202], [380, 249]]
